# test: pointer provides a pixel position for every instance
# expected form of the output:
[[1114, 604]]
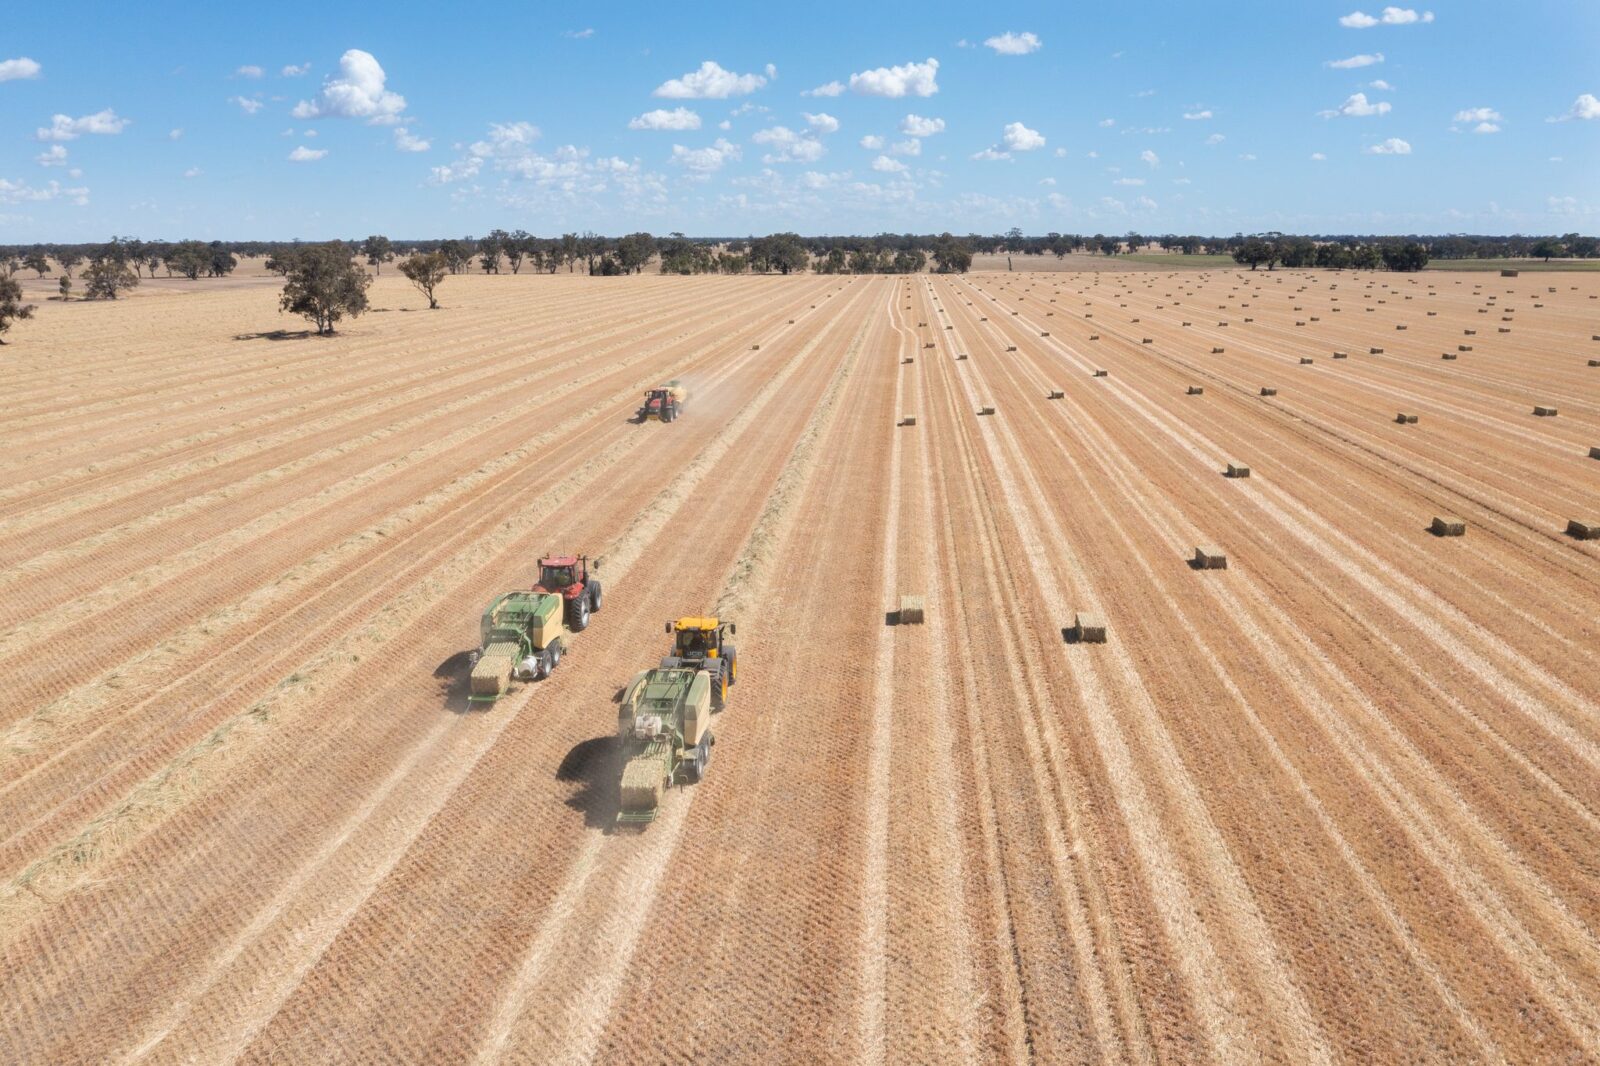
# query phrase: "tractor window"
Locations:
[[557, 577], [692, 643]]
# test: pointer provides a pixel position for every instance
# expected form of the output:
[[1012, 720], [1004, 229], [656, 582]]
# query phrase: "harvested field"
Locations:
[[1339, 801]]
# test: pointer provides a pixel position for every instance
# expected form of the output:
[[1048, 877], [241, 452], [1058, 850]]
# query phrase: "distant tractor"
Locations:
[[701, 644], [664, 402], [568, 577], [664, 733], [521, 638]]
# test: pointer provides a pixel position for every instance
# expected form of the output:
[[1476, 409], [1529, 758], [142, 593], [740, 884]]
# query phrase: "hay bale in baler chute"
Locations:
[[1448, 526]]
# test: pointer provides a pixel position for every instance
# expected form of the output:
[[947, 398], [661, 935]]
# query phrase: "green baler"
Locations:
[[664, 733], [521, 638]]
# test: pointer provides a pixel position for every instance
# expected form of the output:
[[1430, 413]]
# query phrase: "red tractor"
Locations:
[[568, 576]]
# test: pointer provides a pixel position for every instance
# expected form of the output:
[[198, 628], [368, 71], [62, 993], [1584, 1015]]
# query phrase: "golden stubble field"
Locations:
[[1336, 802]]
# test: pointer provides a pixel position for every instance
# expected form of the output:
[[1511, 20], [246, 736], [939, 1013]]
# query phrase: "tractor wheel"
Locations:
[[694, 768], [594, 596], [719, 691], [578, 614], [555, 657], [731, 653]]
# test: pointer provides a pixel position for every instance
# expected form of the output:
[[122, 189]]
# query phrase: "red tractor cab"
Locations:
[[568, 576]]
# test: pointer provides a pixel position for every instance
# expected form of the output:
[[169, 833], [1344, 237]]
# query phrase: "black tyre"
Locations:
[[694, 767], [719, 690], [555, 654], [578, 614], [731, 653], [594, 595]]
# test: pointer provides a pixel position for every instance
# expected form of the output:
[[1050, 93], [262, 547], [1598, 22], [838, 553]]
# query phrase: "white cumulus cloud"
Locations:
[[832, 88], [679, 118], [1486, 127], [303, 154], [1020, 138], [1363, 60], [1014, 44], [1215, 138], [246, 104], [54, 156], [1477, 114], [1128, 181], [1392, 146], [991, 154], [1380, 84], [175, 134], [251, 71], [917, 126], [710, 82], [1318, 157], [1585, 107], [886, 165], [911, 79], [406, 141], [18, 69], [193, 172], [822, 122], [67, 128], [1150, 157], [706, 160], [290, 70], [1357, 106], [358, 92], [1197, 116], [1391, 16], [872, 142], [17, 192], [909, 146], [1107, 123], [787, 146]]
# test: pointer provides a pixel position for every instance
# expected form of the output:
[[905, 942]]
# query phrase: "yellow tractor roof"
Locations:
[[696, 623]]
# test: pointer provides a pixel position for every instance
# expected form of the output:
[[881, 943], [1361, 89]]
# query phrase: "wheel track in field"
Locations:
[[503, 473], [354, 379], [505, 425], [576, 1036], [1198, 955], [1549, 974], [522, 532], [650, 522]]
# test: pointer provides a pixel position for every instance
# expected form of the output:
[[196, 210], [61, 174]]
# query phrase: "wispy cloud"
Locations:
[[1363, 60], [67, 128], [1014, 44], [303, 154], [679, 118], [1392, 146]]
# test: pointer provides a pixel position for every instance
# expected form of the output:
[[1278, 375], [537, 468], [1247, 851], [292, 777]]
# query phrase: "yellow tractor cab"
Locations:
[[701, 644]]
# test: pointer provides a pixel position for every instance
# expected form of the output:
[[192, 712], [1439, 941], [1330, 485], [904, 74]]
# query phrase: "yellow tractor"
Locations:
[[701, 644]]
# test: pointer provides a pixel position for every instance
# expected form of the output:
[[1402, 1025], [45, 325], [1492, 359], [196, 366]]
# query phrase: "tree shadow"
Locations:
[[591, 766], [277, 335]]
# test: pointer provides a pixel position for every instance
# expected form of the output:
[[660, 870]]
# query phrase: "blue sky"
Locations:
[[320, 120]]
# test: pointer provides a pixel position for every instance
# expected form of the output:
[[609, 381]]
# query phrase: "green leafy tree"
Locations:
[[1407, 257], [517, 247], [189, 258], [36, 261], [106, 278], [12, 308], [634, 251], [1546, 248], [1256, 251], [219, 261], [69, 261], [426, 270], [952, 256], [325, 284], [379, 250], [64, 286]]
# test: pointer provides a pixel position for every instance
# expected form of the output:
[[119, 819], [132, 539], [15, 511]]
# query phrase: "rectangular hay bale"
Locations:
[[1088, 628], [1544, 412], [1195, 390], [1448, 526], [1268, 390], [1237, 470], [1209, 557], [910, 612], [1405, 419], [1589, 530]]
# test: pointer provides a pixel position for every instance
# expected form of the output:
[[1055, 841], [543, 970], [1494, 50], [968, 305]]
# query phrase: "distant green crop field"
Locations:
[[1530, 265]]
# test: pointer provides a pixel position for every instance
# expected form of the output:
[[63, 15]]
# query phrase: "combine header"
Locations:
[[521, 638], [664, 402]]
